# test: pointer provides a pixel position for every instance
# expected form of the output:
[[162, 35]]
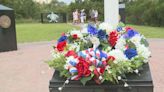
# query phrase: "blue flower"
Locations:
[[119, 29], [130, 53], [73, 63], [130, 34], [102, 55], [92, 30], [101, 34], [62, 38]]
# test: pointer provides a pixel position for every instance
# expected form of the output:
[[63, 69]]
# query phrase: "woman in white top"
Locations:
[[75, 16]]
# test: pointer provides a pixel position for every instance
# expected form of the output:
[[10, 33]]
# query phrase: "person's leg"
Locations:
[[82, 19]]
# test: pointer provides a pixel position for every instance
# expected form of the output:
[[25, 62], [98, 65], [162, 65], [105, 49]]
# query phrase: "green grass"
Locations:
[[150, 32], [33, 32], [40, 32]]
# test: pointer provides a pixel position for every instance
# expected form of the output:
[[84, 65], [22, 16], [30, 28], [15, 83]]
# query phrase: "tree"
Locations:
[[145, 12]]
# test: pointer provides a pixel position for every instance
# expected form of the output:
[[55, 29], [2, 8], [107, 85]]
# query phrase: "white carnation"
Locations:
[[120, 44], [118, 55], [136, 39], [95, 41], [143, 51], [79, 34], [106, 26]]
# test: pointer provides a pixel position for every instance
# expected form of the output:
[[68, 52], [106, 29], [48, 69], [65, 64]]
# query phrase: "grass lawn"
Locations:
[[150, 32], [46, 32], [28, 32]]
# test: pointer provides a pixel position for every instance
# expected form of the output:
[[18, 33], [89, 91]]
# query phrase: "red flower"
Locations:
[[110, 58], [113, 36], [128, 28], [96, 77], [102, 69], [61, 45], [83, 68], [74, 36], [71, 53], [63, 34]]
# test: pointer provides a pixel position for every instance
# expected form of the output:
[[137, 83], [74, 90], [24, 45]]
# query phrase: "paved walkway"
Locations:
[[25, 70]]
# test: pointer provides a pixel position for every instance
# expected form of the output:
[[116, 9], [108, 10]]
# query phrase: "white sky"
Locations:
[[66, 1]]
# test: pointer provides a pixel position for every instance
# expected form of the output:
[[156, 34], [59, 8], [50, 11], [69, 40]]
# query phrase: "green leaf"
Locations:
[[131, 45], [85, 79], [121, 24], [145, 42]]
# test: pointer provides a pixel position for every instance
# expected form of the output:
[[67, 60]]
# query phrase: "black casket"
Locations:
[[142, 83], [7, 29]]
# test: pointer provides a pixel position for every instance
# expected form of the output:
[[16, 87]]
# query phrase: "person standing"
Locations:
[[82, 16], [96, 16], [75, 16], [92, 14]]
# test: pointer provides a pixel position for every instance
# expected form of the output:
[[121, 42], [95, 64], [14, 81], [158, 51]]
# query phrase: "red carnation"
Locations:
[[102, 69], [83, 68], [74, 36], [71, 53], [113, 36], [61, 45]]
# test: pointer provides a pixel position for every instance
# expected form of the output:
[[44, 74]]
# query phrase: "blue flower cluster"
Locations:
[[92, 30], [101, 34], [130, 34], [130, 53], [62, 38]]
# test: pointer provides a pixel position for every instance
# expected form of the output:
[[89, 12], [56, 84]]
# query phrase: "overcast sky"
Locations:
[[66, 1]]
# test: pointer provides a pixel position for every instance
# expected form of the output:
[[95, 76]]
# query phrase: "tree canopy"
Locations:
[[142, 12]]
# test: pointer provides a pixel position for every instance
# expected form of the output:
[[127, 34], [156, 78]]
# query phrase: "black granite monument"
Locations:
[[142, 83], [7, 29], [122, 12], [53, 17]]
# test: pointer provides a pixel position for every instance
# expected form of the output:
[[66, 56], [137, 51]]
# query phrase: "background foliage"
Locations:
[[140, 12], [145, 12]]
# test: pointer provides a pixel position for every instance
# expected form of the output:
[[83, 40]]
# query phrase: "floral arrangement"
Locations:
[[100, 52]]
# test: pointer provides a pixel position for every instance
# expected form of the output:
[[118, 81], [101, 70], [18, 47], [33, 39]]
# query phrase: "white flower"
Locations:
[[79, 34], [136, 71], [119, 78], [115, 61], [118, 55], [95, 41], [143, 51], [67, 81], [84, 30], [91, 68], [120, 44], [72, 46], [126, 85], [107, 67], [69, 59], [106, 26], [56, 54], [136, 39], [60, 88], [66, 66], [100, 77]]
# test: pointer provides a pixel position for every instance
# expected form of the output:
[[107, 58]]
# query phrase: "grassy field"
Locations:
[[150, 32], [40, 32], [47, 32]]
